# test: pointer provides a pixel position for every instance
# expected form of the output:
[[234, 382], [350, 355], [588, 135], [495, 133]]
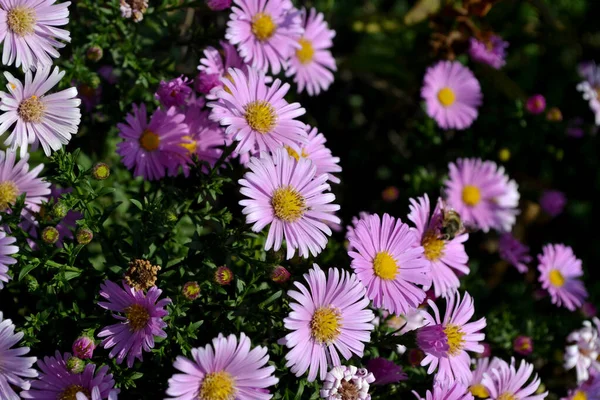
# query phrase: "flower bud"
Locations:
[[50, 235], [94, 53], [84, 235], [523, 345], [59, 210], [101, 171], [83, 347], [280, 274], [223, 276], [191, 290], [75, 365], [218, 5]]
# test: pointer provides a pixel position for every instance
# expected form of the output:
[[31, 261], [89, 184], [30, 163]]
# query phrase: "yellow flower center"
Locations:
[[263, 26], [325, 324], [288, 205], [8, 194], [70, 393], [446, 96], [217, 386], [137, 316], [261, 116], [433, 246], [149, 140], [190, 146], [580, 395], [471, 195], [306, 52], [507, 396], [21, 20], [480, 391], [556, 278], [31, 110], [456, 339], [295, 154], [385, 266]]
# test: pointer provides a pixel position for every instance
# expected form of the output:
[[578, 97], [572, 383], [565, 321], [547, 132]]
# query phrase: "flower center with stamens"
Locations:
[[217, 386], [21, 20], [149, 140], [31, 110], [456, 339], [579, 395], [507, 396], [263, 26], [325, 324], [306, 52], [480, 391], [556, 278], [348, 391], [70, 393], [137, 316], [288, 205], [8, 194], [189, 146], [471, 195], [446, 96], [260, 116], [385, 266], [433, 246]]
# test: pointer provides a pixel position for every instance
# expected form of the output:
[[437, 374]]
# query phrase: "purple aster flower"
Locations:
[[536, 104], [583, 349], [174, 92], [553, 202], [514, 252], [143, 320], [452, 95], [447, 391], [523, 345], [57, 382], [350, 228], [13, 366], [329, 317], [482, 194], [347, 382], [590, 86], [46, 119], [7, 248], [458, 333], [491, 51], [292, 198], [150, 147], [560, 275], [28, 30], [266, 32], [443, 256], [218, 5], [213, 67], [385, 371], [507, 382], [226, 370], [389, 262], [312, 64]]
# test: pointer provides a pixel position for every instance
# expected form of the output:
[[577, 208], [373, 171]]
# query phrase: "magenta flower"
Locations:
[[560, 275], [514, 252], [347, 382], [174, 92], [227, 369], [7, 248], [506, 382], [320, 155], [328, 318], [312, 64], [213, 67], [288, 195], [83, 347], [389, 262], [553, 202], [13, 366], [385, 371], [455, 333], [142, 320], [447, 391], [266, 32], [536, 104], [28, 30], [452, 95], [482, 194], [443, 256], [218, 5], [523, 345], [491, 52]]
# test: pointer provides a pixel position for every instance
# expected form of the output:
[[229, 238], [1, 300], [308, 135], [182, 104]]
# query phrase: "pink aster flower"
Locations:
[[491, 51], [447, 391], [446, 341], [328, 318], [7, 248], [482, 366], [388, 261], [213, 67], [265, 32], [229, 369], [452, 95], [583, 349], [385, 371], [174, 92], [13, 366], [560, 275], [289, 195], [588, 390], [536, 104], [350, 228], [142, 320], [149, 148], [257, 114], [482, 194], [507, 382], [46, 119], [312, 64], [28, 30], [444, 255], [514, 252], [316, 151], [347, 382]]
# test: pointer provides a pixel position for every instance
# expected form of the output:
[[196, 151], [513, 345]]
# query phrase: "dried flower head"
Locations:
[[141, 274]]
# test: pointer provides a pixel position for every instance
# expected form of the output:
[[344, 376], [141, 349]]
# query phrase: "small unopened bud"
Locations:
[[32, 283], [191, 290], [280, 274], [523, 345], [75, 365], [94, 53], [83, 347], [59, 210], [84, 235], [223, 276], [218, 5], [101, 171], [554, 115], [50, 235]]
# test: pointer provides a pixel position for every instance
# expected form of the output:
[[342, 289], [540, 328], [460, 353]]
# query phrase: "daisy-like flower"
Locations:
[[316, 151], [13, 366], [505, 382], [443, 256], [257, 115], [482, 194], [16, 179], [312, 64], [583, 349], [446, 341], [49, 120], [213, 67], [7, 248], [385, 371], [57, 382], [560, 274], [588, 390], [266, 32], [328, 318], [514, 252], [28, 30], [347, 382], [491, 51], [151, 147], [228, 369], [290, 196], [482, 366], [389, 263], [142, 320], [447, 391], [452, 95], [174, 92], [590, 86]]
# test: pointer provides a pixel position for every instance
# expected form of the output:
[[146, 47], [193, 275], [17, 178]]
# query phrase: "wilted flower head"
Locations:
[[347, 382], [141, 274]]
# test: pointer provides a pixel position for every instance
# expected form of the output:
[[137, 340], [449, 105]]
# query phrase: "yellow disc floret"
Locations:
[[325, 324], [471, 195], [149, 140], [217, 386], [306, 52], [288, 204], [260, 116], [21, 20], [263, 26], [446, 97], [385, 266]]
